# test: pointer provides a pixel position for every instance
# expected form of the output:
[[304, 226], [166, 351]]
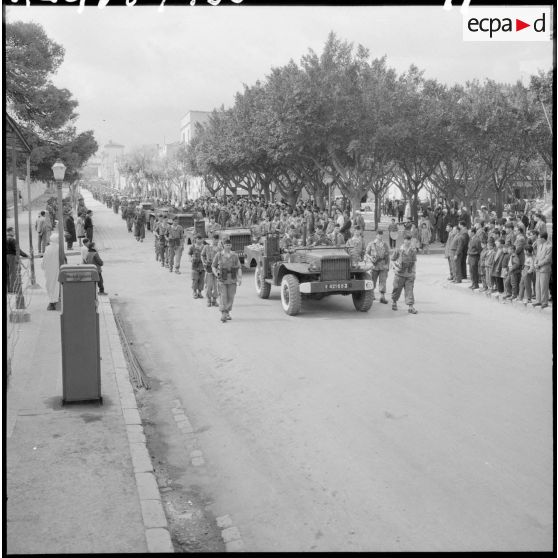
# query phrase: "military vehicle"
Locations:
[[311, 272], [193, 228], [240, 238]]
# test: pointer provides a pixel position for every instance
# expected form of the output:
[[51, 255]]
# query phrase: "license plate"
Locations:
[[337, 286]]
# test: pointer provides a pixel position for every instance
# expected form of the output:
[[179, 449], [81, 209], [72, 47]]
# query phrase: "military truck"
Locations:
[[311, 272], [240, 238]]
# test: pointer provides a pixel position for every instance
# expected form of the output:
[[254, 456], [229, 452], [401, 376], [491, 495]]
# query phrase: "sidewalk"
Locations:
[[79, 478]]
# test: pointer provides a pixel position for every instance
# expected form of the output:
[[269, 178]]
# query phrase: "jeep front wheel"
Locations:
[[262, 288], [363, 299], [290, 295]]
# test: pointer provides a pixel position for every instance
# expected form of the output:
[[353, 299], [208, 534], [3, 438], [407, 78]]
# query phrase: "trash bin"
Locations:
[[79, 321]]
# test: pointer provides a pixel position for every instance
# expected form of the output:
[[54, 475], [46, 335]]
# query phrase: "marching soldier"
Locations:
[[175, 236], [227, 269], [159, 232], [198, 270], [404, 264], [208, 254], [378, 253]]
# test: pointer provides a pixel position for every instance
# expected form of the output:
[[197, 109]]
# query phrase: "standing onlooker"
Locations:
[[496, 273], [69, 229], [88, 225], [543, 267], [425, 237], [393, 231], [346, 228], [80, 228], [451, 233], [41, 226], [11, 259], [94, 258], [525, 285], [511, 284], [473, 253], [51, 267], [378, 252]]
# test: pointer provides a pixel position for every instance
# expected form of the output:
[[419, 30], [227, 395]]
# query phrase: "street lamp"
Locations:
[[59, 169]]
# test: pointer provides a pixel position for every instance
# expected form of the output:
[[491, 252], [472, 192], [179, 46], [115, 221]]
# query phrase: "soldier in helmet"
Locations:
[[404, 265], [378, 253], [159, 231], [174, 236], [227, 269], [208, 254], [198, 270]]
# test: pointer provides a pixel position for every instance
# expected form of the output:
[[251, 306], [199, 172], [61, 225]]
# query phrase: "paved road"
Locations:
[[337, 431]]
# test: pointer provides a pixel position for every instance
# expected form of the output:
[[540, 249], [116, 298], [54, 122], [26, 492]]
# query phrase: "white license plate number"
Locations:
[[337, 286]]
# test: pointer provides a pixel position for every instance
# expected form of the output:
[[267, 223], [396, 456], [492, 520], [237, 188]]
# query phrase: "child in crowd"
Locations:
[[511, 283], [497, 280], [482, 266], [527, 273]]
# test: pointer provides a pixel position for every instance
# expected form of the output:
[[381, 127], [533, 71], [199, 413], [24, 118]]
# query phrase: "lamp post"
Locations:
[[59, 169]]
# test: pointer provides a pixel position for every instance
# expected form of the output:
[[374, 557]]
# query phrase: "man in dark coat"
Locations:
[[88, 225], [69, 230], [461, 253]]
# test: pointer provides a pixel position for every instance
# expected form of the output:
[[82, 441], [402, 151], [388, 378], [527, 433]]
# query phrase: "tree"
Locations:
[[421, 133], [33, 101], [540, 114]]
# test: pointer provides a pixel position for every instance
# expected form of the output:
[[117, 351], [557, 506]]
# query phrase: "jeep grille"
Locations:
[[238, 242], [336, 268]]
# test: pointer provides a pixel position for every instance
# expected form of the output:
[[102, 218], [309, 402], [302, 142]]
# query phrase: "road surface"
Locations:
[[336, 430]]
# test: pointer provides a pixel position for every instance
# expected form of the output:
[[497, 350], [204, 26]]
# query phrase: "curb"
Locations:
[[499, 297], [229, 533], [157, 534]]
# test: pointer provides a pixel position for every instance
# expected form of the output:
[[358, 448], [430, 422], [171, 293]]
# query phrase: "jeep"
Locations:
[[240, 238], [193, 228], [311, 272]]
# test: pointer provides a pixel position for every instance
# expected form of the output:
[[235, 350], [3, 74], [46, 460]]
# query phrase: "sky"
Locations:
[[136, 71]]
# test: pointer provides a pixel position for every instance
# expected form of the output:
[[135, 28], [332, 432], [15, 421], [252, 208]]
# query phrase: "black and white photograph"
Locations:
[[278, 277]]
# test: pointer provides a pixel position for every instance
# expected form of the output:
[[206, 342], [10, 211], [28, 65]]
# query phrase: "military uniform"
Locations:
[[378, 252], [356, 249], [227, 269], [198, 270], [160, 231], [404, 264], [175, 244], [319, 238], [208, 254]]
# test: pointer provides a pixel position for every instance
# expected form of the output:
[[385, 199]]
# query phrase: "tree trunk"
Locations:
[[377, 210], [414, 206], [499, 202]]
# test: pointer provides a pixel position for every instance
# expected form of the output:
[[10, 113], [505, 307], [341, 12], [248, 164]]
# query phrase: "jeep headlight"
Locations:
[[314, 266]]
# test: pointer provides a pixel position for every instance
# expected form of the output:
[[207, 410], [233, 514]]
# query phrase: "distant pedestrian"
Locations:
[[41, 226], [543, 268], [94, 259], [139, 225], [51, 267], [393, 230]]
